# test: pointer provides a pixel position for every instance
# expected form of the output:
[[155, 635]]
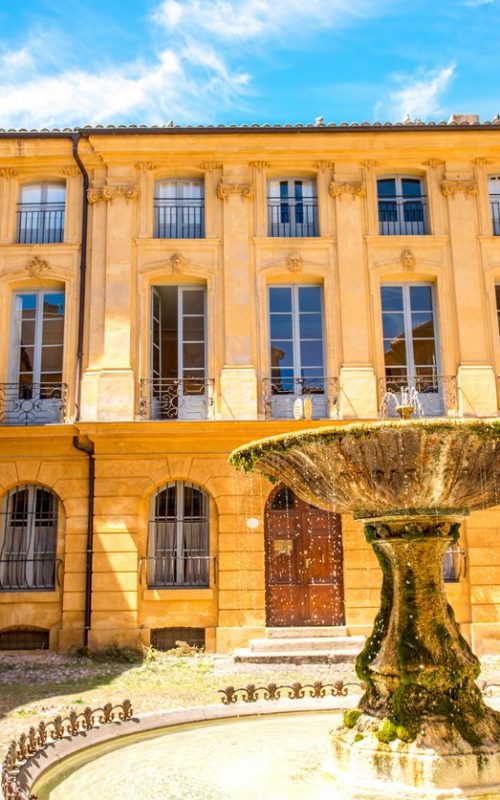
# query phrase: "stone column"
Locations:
[[476, 378], [358, 393], [238, 378], [8, 200]]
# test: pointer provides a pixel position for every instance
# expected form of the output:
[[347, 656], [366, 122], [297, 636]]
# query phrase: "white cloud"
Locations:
[[419, 97], [477, 3]]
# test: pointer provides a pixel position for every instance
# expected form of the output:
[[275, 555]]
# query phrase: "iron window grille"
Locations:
[[178, 547], [40, 214], [168, 638], [402, 207], [24, 639], [292, 208], [179, 210], [29, 540], [494, 184]]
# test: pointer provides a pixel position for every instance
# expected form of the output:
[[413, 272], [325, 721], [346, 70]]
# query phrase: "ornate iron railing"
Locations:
[[40, 223], [36, 739], [495, 216], [402, 216], [32, 403], [177, 398], [437, 395], [280, 395], [179, 219], [292, 216], [162, 572], [42, 573]]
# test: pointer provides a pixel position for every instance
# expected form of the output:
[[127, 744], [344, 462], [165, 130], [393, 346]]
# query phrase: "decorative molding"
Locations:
[[338, 189], [110, 193], [294, 262], [481, 162], [145, 166], [226, 190], [434, 163], [369, 164], [259, 164], [407, 260], [178, 262], [208, 165], [451, 187], [8, 172], [70, 172], [37, 266], [326, 165]]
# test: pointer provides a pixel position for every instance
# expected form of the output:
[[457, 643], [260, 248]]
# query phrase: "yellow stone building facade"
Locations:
[[168, 294]]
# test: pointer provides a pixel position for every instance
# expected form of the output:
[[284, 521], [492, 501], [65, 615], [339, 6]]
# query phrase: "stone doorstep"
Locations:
[[245, 655], [325, 643], [306, 632]]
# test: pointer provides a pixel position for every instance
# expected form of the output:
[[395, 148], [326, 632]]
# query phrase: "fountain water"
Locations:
[[422, 728]]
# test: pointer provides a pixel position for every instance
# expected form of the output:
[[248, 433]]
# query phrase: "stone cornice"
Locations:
[[226, 190], [450, 188], [434, 163], [71, 171], [110, 193], [145, 166], [340, 189], [8, 172], [209, 165], [259, 164]]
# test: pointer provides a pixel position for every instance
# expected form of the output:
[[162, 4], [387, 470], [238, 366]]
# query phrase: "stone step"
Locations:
[[306, 632], [332, 643], [247, 656]]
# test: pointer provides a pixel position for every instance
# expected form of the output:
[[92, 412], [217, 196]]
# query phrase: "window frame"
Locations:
[[494, 203], [400, 201], [41, 227], [290, 202], [179, 219]]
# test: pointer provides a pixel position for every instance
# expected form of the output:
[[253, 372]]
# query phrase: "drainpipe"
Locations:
[[75, 137], [89, 450]]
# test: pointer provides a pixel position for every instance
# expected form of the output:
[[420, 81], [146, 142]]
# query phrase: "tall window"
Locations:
[[35, 390], [292, 208], [178, 383], [179, 210], [40, 213], [29, 539], [401, 206], [296, 348], [494, 188], [409, 331], [179, 537]]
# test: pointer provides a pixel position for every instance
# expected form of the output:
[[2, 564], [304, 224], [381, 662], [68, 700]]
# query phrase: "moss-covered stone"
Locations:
[[351, 717]]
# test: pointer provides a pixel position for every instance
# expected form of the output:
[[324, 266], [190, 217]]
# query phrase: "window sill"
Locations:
[[26, 595], [203, 593]]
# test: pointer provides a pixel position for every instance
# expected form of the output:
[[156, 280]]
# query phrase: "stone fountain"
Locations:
[[422, 728]]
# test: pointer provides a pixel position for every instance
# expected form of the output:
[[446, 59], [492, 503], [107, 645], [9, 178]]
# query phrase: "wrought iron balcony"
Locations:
[[177, 398], [300, 398], [292, 216], [179, 219], [422, 396], [32, 403], [170, 570], [40, 223], [495, 215], [402, 216], [18, 574]]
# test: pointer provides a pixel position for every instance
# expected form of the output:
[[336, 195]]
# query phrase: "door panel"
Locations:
[[304, 576]]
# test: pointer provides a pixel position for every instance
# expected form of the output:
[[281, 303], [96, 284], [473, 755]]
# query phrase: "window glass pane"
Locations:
[[422, 325], [26, 357], [52, 359], [166, 190], [53, 305], [31, 193], [194, 328], [392, 298], [424, 352], [494, 184], [386, 187], [395, 351], [193, 301], [282, 354], [421, 298], [281, 326], [28, 332], [497, 291], [280, 298], [309, 298], [393, 325], [28, 304], [193, 355], [412, 187], [311, 326], [55, 193], [311, 353]]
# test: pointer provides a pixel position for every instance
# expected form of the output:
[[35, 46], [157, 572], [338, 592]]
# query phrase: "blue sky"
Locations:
[[73, 62]]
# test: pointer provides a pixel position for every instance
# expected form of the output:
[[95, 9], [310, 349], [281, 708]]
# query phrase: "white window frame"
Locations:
[[400, 201], [310, 213], [494, 199], [43, 188]]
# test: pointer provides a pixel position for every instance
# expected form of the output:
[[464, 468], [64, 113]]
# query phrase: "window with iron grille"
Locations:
[[292, 207], [178, 551], [28, 539], [24, 639], [179, 210], [167, 638], [494, 189], [40, 213], [401, 206]]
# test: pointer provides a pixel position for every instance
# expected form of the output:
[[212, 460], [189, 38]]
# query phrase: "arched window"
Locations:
[[28, 539], [40, 213], [179, 537]]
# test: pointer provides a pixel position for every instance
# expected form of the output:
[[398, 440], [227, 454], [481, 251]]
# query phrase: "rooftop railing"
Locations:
[[291, 216], [402, 216], [40, 223], [179, 219], [32, 403], [177, 398]]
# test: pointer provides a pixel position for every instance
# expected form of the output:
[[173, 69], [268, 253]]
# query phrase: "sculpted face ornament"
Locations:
[[407, 260], [294, 261]]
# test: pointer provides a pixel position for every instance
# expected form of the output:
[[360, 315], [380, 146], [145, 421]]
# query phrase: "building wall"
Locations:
[[236, 261]]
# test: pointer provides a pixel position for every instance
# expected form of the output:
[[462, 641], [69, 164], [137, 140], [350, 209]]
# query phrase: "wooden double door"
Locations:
[[304, 571]]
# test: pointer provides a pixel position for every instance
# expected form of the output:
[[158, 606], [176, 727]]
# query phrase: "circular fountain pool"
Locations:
[[274, 756]]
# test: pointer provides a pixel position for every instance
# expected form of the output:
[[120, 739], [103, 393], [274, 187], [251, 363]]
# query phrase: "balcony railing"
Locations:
[[425, 396], [32, 403], [179, 219], [18, 574], [170, 570], [300, 398], [177, 398], [291, 216], [402, 216], [40, 223], [495, 215]]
